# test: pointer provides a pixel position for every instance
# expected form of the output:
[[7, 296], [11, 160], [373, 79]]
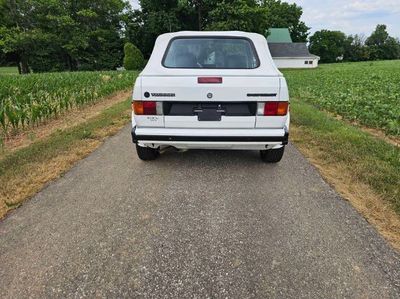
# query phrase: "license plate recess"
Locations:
[[209, 114]]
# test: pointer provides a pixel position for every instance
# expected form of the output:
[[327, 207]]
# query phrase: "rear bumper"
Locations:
[[210, 138]]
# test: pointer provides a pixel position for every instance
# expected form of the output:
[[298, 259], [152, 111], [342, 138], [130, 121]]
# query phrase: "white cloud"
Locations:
[[371, 6], [351, 16]]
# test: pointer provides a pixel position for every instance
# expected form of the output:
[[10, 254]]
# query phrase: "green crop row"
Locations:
[[30, 99], [365, 92]]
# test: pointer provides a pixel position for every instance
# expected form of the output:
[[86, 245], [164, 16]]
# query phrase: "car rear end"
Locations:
[[210, 91]]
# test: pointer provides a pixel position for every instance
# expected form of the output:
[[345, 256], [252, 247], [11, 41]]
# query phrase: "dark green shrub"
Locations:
[[133, 59]]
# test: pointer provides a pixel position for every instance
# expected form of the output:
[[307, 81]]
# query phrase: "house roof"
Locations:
[[296, 50], [279, 35]]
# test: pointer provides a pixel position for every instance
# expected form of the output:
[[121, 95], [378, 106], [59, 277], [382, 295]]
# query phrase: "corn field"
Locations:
[[31, 99]]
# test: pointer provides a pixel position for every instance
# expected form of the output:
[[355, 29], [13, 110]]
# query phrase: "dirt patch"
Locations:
[[367, 202], [393, 140], [380, 134], [69, 119]]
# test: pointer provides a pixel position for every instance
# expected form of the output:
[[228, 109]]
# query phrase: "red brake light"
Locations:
[[276, 108], [270, 108], [149, 108], [212, 80]]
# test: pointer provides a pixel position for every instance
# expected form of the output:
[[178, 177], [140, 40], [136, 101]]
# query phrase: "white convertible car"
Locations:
[[211, 90]]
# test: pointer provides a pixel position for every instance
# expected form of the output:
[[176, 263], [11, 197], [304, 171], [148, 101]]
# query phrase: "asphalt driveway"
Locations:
[[198, 224]]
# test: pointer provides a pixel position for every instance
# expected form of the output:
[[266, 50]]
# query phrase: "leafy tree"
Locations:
[[378, 37], [133, 59], [391, 48], [284, 15], [18, 33], [94, 40], [238, 15], [329, 45], [156, 17], [381, 45], [355, 48], [3, 59], [202, 9], [50, 35]]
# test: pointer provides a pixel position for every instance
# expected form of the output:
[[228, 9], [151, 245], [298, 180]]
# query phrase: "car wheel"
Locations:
[[147, 153], [272, 155]]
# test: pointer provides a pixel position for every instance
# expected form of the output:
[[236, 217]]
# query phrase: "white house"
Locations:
[[292, 55], [286, 53]]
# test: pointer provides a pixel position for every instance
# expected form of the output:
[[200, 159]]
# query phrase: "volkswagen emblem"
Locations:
[[209, 95]]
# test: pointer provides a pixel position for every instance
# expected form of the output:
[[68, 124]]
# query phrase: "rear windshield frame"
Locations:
[[253, 48]]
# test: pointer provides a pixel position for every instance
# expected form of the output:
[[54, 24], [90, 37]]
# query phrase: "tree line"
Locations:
[[71, 35], [333, 46]]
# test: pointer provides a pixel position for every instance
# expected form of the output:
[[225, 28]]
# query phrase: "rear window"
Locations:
[[211, 53]]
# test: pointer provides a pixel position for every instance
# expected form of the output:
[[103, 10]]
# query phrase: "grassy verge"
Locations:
[[8, 70], [365, 169], [25, 171]]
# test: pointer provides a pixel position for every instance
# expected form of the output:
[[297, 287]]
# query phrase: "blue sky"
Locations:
[[351, 16]]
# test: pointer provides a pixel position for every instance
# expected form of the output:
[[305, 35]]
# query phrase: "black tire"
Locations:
[[272, 155], [147, 153]]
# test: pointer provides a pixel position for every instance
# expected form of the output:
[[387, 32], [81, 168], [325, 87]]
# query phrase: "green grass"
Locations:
[[30, 99], [366, 92], [369, 159], [8, 70]]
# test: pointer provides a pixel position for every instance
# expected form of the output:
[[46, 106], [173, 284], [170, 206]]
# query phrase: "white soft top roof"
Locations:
[[267, 67]]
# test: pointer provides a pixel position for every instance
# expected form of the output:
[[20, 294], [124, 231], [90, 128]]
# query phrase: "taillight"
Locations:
[[210, 80], [270, 108], [273, 108], [282, 108], [147, 108]]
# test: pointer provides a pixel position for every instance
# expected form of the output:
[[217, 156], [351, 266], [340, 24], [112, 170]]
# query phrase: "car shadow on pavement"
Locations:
[[213, 157]]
